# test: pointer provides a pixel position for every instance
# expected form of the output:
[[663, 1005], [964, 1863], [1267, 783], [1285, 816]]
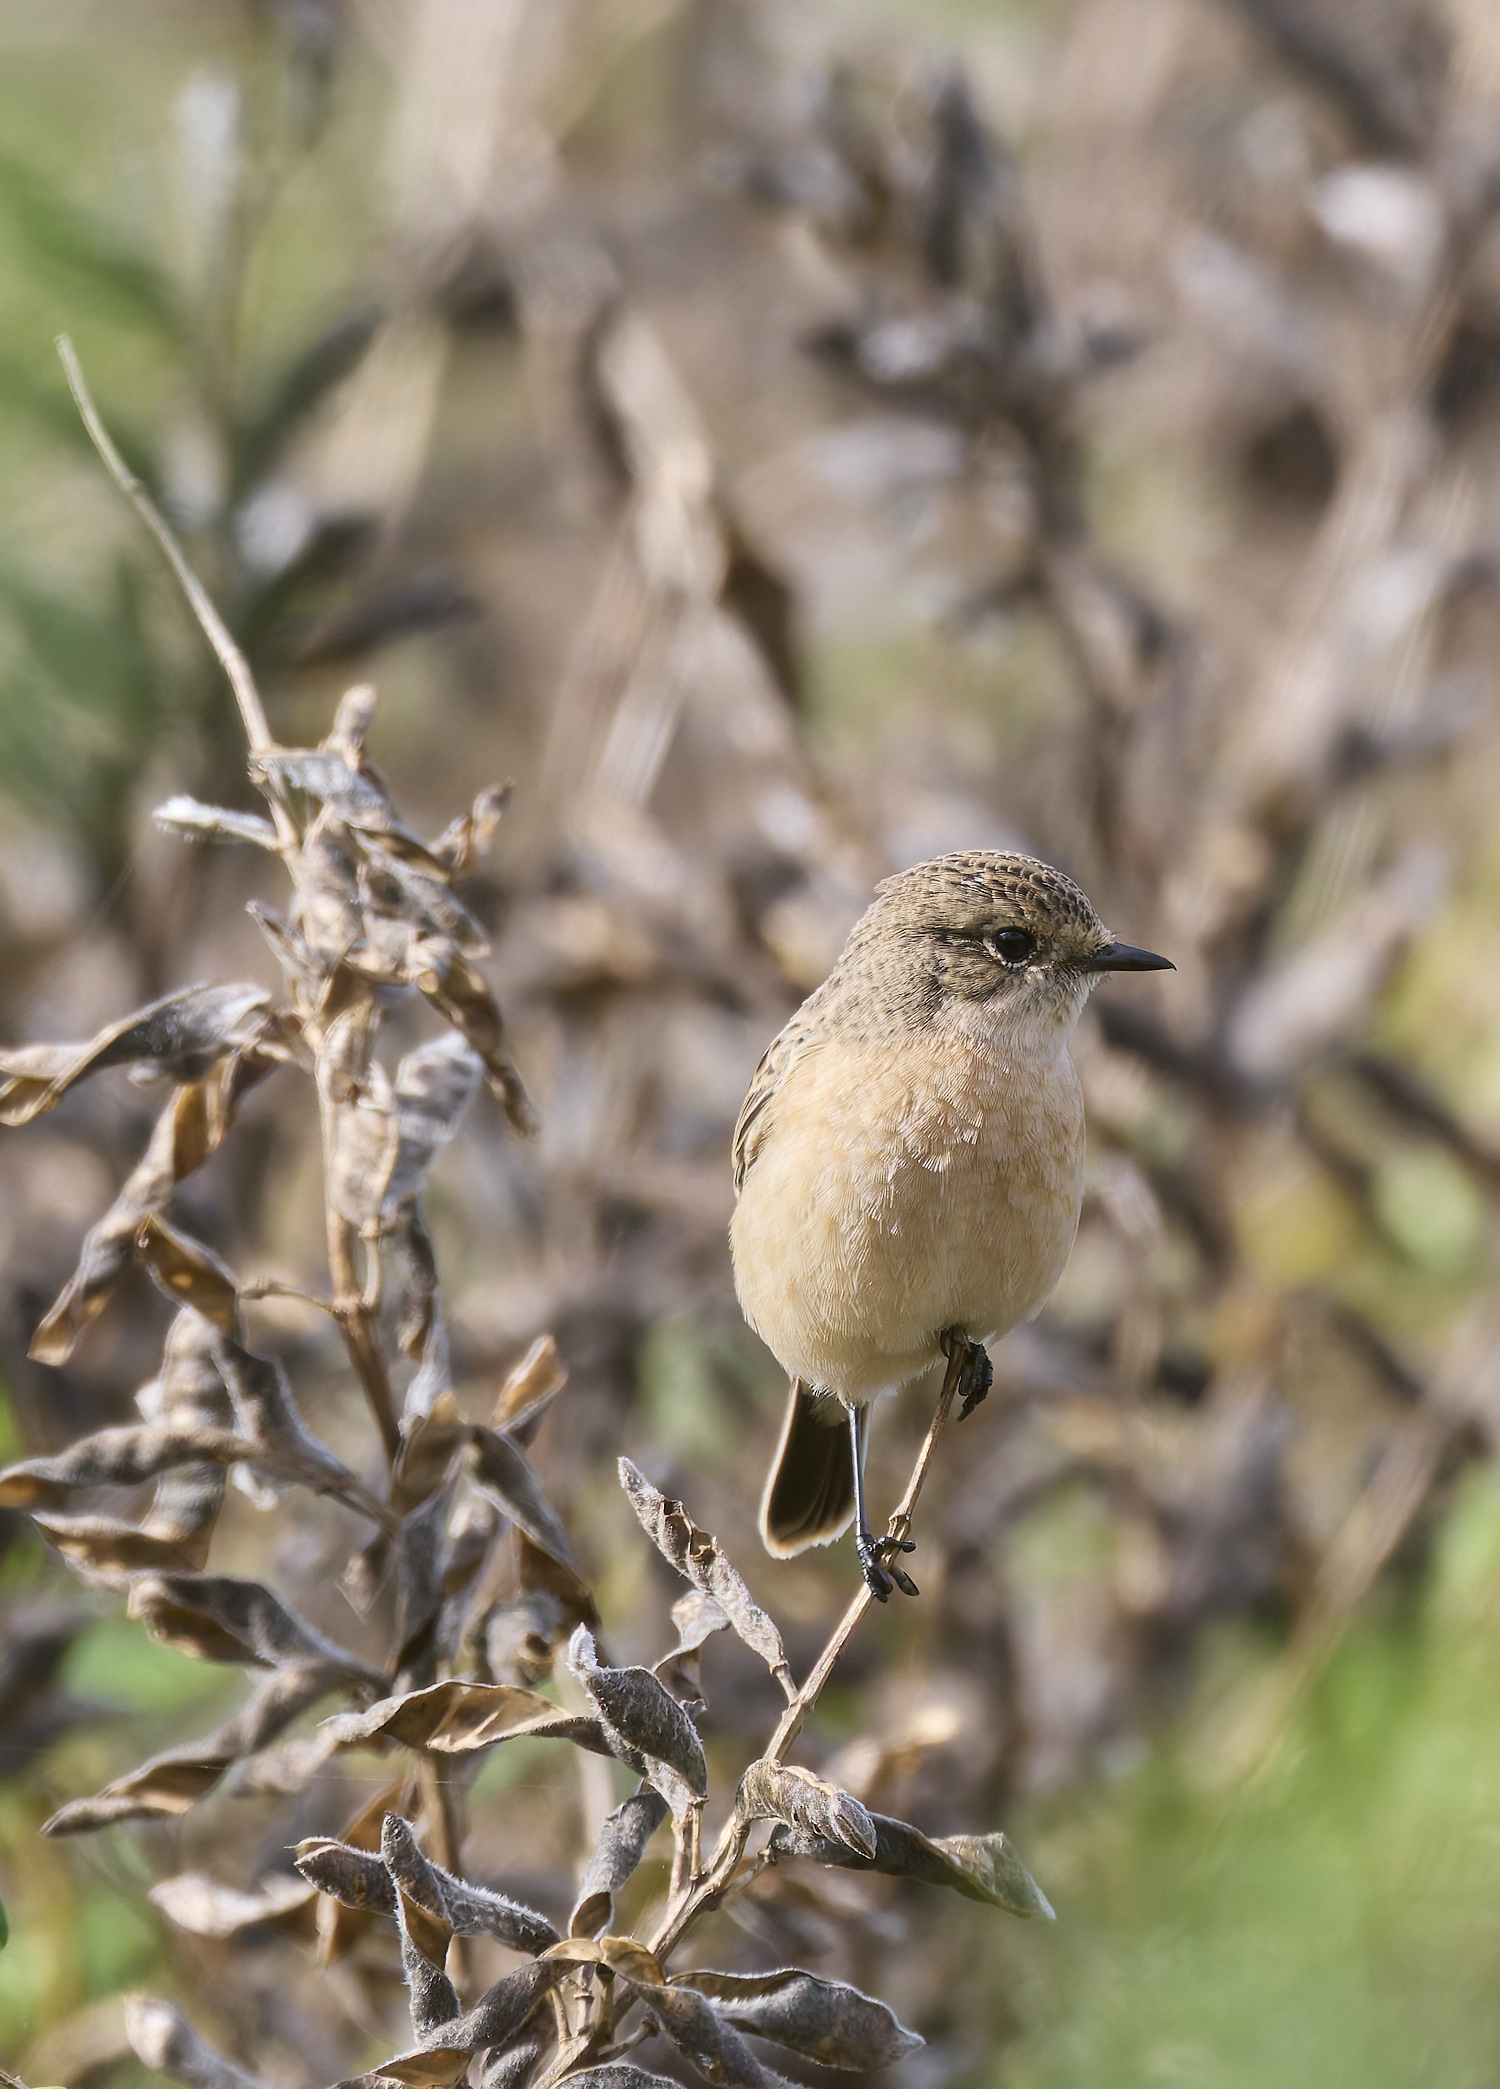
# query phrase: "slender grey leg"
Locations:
[[880, 1576]]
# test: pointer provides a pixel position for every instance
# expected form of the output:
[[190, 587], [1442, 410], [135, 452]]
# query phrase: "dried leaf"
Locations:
[[529, 1390], [114, 1458], [390, 1137], [164, 2039], [461, 994], [170, 1783], [108, 1552], [189, 1273], [218, 1618], [466, 839], [183, 1035], [190, 1128], [542, 1578], [696, 1555], [186, 817], [823, 2019], [697, 1618], [418, 904], [780, 1792], [504, 1472], [625, 1955], [437, 2067], [283, 1443], [645, 1724], [360, 1880], [456, 1718], [620, 1848], [206, 1908], [322, 773], [708, 2040], [981, 1867]]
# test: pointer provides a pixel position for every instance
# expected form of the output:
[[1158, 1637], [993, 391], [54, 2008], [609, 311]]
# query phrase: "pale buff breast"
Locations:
[[901, 1189]]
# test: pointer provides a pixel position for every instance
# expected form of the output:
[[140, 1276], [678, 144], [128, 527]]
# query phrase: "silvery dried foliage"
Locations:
[[1289, 295], [350, 945]]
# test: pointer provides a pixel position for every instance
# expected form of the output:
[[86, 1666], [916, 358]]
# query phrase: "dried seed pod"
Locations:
[[707, 2039], [622, 1844], [825, 2020], [644, 1723]]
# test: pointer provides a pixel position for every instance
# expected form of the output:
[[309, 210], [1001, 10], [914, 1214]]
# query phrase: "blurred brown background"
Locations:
[[790, 441]]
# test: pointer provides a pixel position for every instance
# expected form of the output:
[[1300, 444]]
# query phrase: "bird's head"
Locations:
[[989, 938]]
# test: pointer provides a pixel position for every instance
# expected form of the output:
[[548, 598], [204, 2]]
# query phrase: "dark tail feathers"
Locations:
[[809, 1497]]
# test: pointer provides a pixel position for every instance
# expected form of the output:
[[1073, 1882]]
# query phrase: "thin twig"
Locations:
[[709, 1887], [215, 630]]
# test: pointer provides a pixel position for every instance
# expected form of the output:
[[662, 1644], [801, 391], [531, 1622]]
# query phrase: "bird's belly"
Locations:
[[888, 1204]]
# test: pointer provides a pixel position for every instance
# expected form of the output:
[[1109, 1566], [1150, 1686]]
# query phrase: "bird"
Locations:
[[908, 1164]]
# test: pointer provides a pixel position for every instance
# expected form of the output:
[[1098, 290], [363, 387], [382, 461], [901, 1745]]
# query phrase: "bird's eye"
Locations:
[[1012, 946]]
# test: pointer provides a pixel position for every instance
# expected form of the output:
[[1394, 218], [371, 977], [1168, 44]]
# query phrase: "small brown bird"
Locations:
[[909, 1162]]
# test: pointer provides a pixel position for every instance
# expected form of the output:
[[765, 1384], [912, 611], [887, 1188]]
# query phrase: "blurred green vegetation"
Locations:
[[1336, 1925]]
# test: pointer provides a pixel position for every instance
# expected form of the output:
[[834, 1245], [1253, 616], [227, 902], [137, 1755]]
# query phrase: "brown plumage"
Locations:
[[909, 1158]]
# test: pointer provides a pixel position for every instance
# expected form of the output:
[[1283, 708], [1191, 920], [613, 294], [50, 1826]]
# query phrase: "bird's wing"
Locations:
[[777, 1061]]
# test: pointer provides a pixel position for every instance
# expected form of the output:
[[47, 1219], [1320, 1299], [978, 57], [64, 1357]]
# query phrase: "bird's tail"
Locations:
[[809, 1497]]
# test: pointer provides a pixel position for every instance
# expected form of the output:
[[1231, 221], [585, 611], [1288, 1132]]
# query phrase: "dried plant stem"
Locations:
[[356, 1317], [215, 630], [354, 1311], [707, 1887]]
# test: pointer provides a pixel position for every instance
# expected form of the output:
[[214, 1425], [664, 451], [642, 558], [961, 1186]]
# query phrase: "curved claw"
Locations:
[[877, 1581], [980, 1375], [877, 1557]]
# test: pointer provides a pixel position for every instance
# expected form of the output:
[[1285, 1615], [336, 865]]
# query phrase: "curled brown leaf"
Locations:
[[696, 1555], [771, 1791], [981, 1867], [183, 1035]]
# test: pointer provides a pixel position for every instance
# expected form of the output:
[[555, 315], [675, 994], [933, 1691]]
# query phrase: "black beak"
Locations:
[[1124, 957]]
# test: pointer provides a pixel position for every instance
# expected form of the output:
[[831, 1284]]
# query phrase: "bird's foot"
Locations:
[[877, 1563], [978, 1372]]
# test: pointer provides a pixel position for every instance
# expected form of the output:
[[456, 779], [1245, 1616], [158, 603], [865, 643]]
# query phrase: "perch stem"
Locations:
[[684, 1907]]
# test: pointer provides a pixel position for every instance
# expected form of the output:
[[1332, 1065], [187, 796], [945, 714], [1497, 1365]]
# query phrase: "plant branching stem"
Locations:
[[710, 1886]]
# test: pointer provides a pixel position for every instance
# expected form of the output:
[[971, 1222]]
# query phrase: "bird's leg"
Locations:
[[978, 1372], [876, 1555]]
